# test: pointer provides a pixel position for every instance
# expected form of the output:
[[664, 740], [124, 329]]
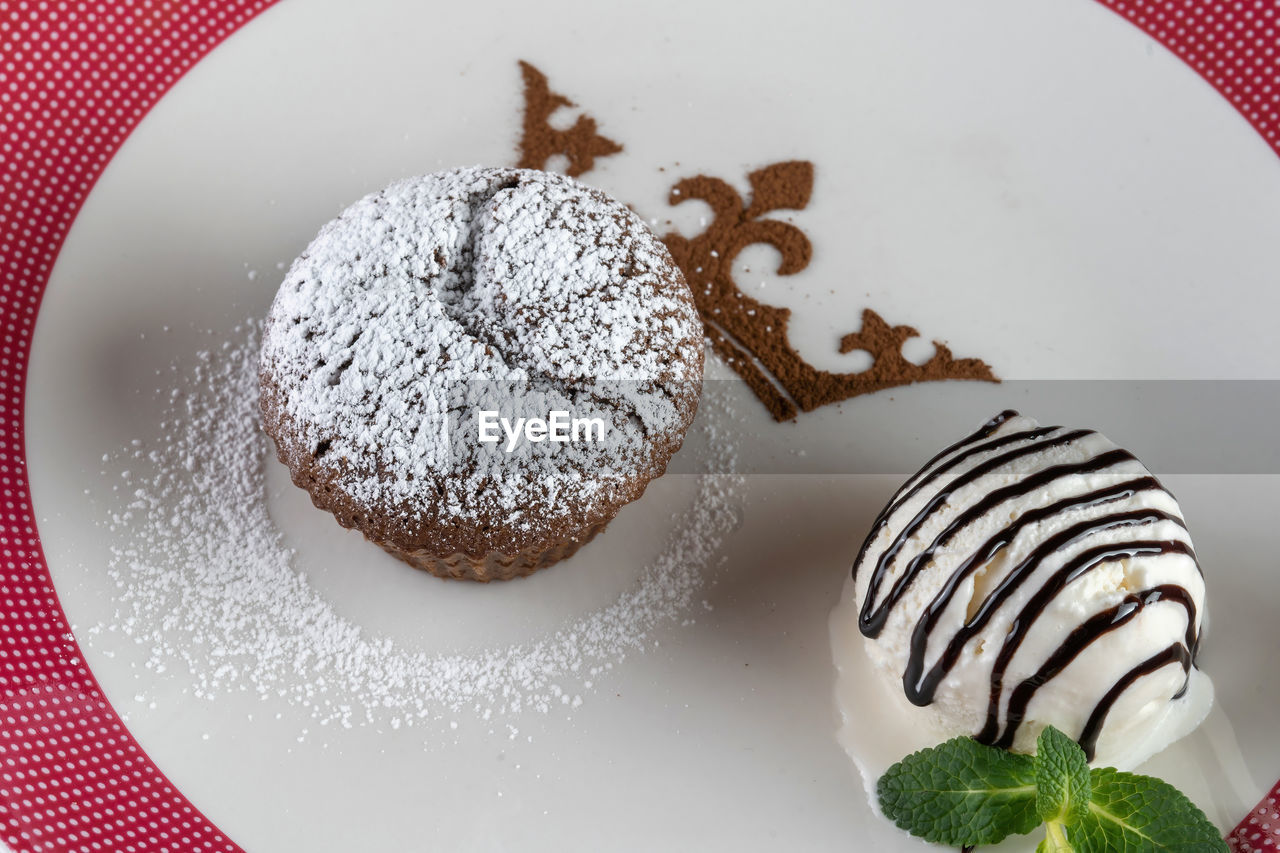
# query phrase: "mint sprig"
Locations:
[[964, 793]]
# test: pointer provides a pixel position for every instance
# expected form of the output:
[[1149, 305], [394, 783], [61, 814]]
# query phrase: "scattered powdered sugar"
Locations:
[[207, 583], [442, 295]]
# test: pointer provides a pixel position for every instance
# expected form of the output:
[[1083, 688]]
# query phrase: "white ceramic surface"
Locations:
[[1038, 184]]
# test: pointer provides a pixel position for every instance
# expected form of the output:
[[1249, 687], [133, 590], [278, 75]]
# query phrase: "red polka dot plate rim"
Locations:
[[77, 79], [1260, 830]]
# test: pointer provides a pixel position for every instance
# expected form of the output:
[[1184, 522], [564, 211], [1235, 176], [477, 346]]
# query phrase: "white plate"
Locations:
[[1039, 185]]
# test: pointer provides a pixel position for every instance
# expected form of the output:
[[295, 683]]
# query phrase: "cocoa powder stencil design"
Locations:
[[751, 336], [539, 141]]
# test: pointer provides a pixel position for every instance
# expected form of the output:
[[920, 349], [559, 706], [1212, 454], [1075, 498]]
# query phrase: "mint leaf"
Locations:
[[1129, 813], [961, 793], [1062, 778]]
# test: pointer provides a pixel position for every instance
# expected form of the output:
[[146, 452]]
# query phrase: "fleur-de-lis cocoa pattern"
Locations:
[[751, 335], [539, 141]]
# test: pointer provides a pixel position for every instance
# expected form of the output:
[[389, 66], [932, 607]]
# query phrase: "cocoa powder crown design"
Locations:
[[751, 335], [581, 144]]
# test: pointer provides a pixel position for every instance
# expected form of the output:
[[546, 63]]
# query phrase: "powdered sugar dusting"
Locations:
[[207, 584], [423, 300]]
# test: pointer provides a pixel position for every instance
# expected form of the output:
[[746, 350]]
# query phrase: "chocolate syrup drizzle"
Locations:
[[920, 686]]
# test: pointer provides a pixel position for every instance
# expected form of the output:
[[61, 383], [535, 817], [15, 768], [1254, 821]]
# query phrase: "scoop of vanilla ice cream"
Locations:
[[1029, 576]]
